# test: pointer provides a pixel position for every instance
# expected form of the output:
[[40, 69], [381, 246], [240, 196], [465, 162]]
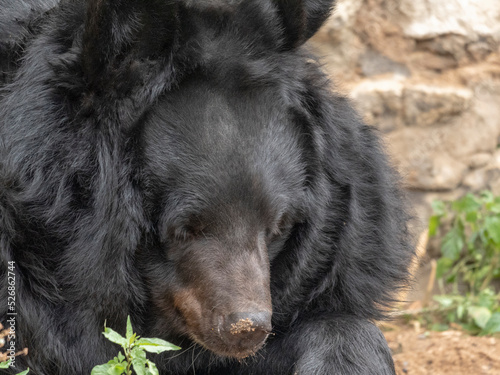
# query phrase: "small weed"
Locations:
[[470, 248], [134, 353], [6, 364]]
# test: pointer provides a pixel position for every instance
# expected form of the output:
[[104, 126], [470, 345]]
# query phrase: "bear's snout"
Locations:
[[246, 332], [227, 307]]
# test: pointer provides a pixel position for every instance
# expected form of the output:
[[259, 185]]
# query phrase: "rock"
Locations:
[[446, 46], [429, 61], [339, 51], [495, 187], [476, 131], [481, 49], [439, 172], [344, 14], [337, 43], [380, 102], [479, 160], [373, 63], [494, 174], [426, 73], [475, 181], [426, 105], [485, 178], [422, 162], [496, 159], [428, 18]]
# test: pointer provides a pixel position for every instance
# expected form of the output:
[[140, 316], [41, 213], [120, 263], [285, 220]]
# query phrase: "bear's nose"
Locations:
[[246, 331]]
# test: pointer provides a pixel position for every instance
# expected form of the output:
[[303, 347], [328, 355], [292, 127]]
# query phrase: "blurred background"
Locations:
[[427, 74]]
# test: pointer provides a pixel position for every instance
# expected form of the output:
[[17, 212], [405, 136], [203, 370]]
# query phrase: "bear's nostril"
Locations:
[[246, 331]]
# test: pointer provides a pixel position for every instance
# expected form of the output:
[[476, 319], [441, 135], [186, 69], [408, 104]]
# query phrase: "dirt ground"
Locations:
[[418, 352]]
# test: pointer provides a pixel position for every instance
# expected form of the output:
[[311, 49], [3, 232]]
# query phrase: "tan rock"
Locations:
[[426, 105], [479, 160], [433, 85], [495, 162], [429, 18], [480, 50], [380, 102], [476, 180], [439, 172], [422, 163], [373, 63], [494, 174], [484, 178], [477, 131], [344, 14], [337, 43], [447, 45], [427, 60]]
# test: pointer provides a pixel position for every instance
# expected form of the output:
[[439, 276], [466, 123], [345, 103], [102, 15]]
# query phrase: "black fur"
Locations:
[[18, 21], [139, 138]]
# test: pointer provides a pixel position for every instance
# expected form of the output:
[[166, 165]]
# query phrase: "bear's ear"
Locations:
[[302, 18], [120, 33]]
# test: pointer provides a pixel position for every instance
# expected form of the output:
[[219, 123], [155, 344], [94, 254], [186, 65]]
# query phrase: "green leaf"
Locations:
[[138, 352], [471, 241], [139, 360], [101, 369], [139, 365], [118, 369], [142, 366], [440, 327], [433, 225], [493, 324], [488, 299], [480, 315], [443, 266], [471, 203], [155, 345], [153, 370], [487, 196], [438, 207], [471, 217], [471, 328], [451, 317], [452, 244], [119, 358], [495, 208], [444, 301], [115, 337], [492, 224], [6, 364], [113, 367], [130, 331]]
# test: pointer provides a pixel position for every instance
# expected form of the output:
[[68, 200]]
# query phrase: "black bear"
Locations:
[[184, 162]]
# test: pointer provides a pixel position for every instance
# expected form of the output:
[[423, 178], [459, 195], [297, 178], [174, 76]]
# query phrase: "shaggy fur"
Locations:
[[179, 161]]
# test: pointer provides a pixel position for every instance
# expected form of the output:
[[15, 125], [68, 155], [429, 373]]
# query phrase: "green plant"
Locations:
[[470, 250], [477, 314], [134, 353], [6, 364], [471, 247]]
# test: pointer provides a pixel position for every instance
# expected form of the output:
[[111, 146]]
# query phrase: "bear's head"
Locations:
[[225, 155]]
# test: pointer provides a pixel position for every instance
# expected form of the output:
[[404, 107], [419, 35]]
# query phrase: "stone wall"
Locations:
[[427, 74]]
